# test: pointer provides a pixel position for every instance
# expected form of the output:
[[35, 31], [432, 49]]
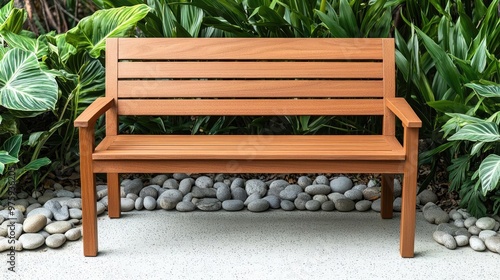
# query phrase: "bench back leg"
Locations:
[[114, 196], [387, 196], [89, 196]]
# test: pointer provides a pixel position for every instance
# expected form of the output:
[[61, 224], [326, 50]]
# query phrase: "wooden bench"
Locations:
[[249, 77]]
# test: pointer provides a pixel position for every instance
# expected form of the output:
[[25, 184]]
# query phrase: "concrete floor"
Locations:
[[244, 245]]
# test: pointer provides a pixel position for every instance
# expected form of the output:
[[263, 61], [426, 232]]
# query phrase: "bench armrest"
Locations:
[[403, 111], [90, 115]]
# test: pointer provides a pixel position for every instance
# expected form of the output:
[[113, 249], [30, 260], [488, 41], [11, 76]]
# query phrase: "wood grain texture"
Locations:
[[112, 48], [251, 107], [404, 112], [249, 70], [90, 115], [249, 88], [249, 48]]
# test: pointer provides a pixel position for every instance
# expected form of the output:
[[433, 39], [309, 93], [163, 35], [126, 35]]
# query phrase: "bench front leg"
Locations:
[[387, 198], [114, 196], [89, 195], [409, 199]]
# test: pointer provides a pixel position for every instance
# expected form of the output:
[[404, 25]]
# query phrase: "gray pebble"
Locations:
[[287, 205], [492, 243], [203, 192], [55, 240], [73, 234], [300, 204], [360, 188], [185, 185], [372, 183], [341, 184], [321, 180], [188, 197], [132, 196], [204, 182], [132, 186], [427, 196], [43, 211], [474, 230], [139, 203], [328, 206], [60, 213], [255, 185], [127, 204], [336, 196], [100, 208], [459, 222], [65, 193], [75, 213], [171, 184], [58, 227], [304, 181], [344, 205], [32, 206], [209, 204], [252, 197], [22, 202], [483, 235], [32, 241], [180, 176], [449, 242], [259, 205], [185, 206], [318, 189], [363, 205], [434, 214], [167, 203], [15, 216], [462, 231], [148, 191], [237, 183], [239, 194], [277, 186], [313, 205], [290, 192], [438, 236], [232, 205], [354, 195], [470, 222], [321, 198], [274, 201], [462, 240], [448, 228], [22, 195], [377, 205], [397, 204], [149, 203], [485, 223], [74, 203], [159, 179], [477, 244], [223, 192], [219, 178], [36, 194]]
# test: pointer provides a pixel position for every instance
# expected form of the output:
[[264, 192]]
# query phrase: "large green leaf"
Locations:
[[39, 46], [23, 85], [485, 90], [91, 32], [5, 159], [12, 19], [13, 145], [489, 173], [485, 132]]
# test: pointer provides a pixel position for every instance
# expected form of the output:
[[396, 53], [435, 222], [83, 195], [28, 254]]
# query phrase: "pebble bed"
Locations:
[[53, 217]]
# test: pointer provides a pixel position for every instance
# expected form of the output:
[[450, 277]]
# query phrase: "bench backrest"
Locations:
[[243, 76]]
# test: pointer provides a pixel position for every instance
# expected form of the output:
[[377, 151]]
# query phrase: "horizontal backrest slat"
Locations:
[[245, 48], [249, 88], [250, 70], [251, 107]]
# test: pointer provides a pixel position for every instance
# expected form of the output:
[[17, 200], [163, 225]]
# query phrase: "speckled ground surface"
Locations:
[[244, 245]]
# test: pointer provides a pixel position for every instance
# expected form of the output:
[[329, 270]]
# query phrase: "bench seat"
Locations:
[[243, 147]]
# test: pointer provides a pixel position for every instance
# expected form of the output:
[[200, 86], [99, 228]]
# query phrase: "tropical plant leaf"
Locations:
[[443, 63], [12, 19], [38, 46], [5, 159], [91, 32], [485, 90], [489, 173], [13, 145], [23, 85], [484, 132], [33, 166]]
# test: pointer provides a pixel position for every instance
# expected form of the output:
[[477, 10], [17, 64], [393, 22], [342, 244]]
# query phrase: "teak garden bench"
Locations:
[[249, 77]]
